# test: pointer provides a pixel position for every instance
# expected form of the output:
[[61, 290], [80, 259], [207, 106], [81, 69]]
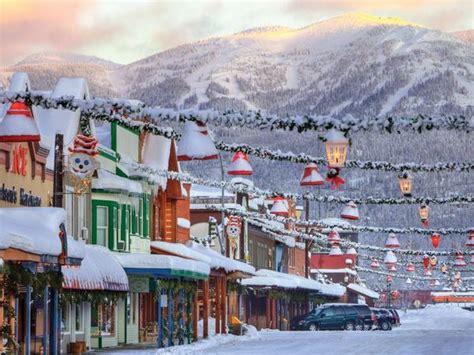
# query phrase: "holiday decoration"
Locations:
[[408, 281], [240, 165], [375, 264], [470, 240], [351, 251], [336, 148], [444, 268], [410, 267], [432, 283], [335, 250], [389, 279], [472, 259], [333, 178], [395, 295], [392, 241], [311, 176], [81, 158], [433, 261], [427, 272], [459, 260], [390, 258], [426, 261], [424, 213], [406, 184], [457, 275], [280, 207], [392, 268], [437, 283], [333, 237], [350, 211], [18, 125], [435, 239], [233, 227], [196, 144]]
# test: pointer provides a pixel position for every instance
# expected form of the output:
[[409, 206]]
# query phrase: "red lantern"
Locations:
[[240, 165], [395, 295], [435, 239], [389, 279], [426, 261], [280, 207], [470, 240], [311, 176], [333, 237], [195, 143], [18, 125], [375, 264], [410, 267], [459, 260]]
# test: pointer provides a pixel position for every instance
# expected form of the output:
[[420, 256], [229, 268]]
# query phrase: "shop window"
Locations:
[[78, 319], [102, 225], [65, 318], [103, 320]]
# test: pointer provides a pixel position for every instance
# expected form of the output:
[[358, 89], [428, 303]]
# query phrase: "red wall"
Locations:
[[325, 261]]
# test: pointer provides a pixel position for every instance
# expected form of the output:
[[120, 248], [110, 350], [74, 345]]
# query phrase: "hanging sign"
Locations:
[[81, 161], [233, 227]]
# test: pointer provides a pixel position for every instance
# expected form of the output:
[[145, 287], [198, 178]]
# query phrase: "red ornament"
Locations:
[[395, 295], [280, 207], [375, 264], [240, 165], [435, 239], [333, 237], [195, 143], [389, 279], [350, 211], [410, 267], [311, 176], [459, 260], [426, 261], [333, 178]]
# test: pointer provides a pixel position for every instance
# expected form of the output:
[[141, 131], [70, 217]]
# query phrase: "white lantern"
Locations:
[[336, 148], [406, 184]]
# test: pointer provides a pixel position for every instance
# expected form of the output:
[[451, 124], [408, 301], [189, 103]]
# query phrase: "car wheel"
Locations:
[[359, 327], [385, 326], [367, 327], [313, 327], [349, 326]]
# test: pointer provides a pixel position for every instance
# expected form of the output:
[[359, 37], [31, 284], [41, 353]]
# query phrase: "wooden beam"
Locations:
[[205, 312]]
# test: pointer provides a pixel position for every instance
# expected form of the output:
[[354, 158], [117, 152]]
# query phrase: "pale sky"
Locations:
[[125, 31]]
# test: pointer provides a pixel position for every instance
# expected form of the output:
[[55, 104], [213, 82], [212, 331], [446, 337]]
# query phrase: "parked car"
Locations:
[[336, 317], [396, 318], [385, 319]]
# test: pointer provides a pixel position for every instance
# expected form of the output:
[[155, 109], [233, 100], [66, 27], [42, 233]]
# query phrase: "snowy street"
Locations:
[[440, 329]]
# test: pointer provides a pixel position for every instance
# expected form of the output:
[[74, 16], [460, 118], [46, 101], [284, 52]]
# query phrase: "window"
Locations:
[[102, 215], [329, 312], [103, 320], [140, 217], [78, 318], [132, 308], [65, 318], [338, 311]]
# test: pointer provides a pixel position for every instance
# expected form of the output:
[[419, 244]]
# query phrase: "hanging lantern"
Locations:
[[426, 261], [311, 176], [18, 125], [375, 264], [427, 272], [280, 207], [392, 268], [240, 165], [392, 241], [444, 268], [470, 240], [435, 239], [410, 267], [389, 279], [390, 259], [195, 143], [351, 251], [336, 148], [333, 237], [395, 295], [424, 214], [406, 184], [459, 260], [350, 211], [433, 261], [408, 281], [335, 250]]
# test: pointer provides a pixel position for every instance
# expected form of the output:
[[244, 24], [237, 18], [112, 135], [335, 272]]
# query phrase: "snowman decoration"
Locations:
[[233, 229], [81, 160]]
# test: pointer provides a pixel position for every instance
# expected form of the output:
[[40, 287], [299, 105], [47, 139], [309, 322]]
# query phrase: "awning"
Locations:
[[180, 250], [153, 265], [99, 270], [112, 182], [362, 290]]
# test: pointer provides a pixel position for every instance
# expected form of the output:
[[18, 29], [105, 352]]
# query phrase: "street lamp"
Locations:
[[424, 214], [336, 145], [406, 184]]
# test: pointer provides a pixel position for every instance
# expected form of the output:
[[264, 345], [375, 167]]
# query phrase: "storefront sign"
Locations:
[[139, 284], [19, 160], [26, 199]]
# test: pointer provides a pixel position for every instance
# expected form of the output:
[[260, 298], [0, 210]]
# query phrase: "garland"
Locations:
[[95, 297], [405, 276], [265, 153], [249, 119], [240, 188], [351, 228]]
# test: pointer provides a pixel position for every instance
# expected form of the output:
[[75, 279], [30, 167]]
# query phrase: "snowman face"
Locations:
[[82, 165], [233, 231]]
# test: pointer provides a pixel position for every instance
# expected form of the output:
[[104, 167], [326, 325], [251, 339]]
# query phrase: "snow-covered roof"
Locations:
[[153, 262], [363, 290], [334, 271], [180, 250], [39, 236], [109, 181], [208, 191], [18, 82], [156, 155], [52, 121], [99, 270], [219, 261], [453, 293]]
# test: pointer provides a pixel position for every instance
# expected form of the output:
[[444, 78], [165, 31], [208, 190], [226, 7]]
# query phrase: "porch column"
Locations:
[[170, 316], [205, 307], [2, 298], [180, 316], [189, 315], [195, 316], [159, 320], [45, 320], [267, 313], [54, 336], [28, 320], [223, 304], [217, 299]]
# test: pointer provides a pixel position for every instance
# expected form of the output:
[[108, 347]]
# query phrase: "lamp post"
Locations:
[[406, 184]]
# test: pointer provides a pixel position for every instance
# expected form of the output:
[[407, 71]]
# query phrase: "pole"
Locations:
[[28, 320], [307, 242], [45, 320], [222, 241], [388, 294]]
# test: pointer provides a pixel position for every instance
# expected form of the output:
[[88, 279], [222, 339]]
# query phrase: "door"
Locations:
[[326, 319], [339, 318]]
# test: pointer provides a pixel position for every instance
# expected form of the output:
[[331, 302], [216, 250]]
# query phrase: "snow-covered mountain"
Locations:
[[354, 63]]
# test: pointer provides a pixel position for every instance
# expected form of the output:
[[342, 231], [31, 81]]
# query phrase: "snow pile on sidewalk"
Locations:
[[433, 316], [251, 333]]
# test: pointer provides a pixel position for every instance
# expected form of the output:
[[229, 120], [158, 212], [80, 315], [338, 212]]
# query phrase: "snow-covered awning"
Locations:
[[219, 261], [180, 250], [99, 270], [162, 265], [363, 290], [109, 181], [35, 230]]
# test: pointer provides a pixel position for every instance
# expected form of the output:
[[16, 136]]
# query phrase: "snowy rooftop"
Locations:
[[98, 271], [181, 250], [363, 290], [208, 191], [109, 181]]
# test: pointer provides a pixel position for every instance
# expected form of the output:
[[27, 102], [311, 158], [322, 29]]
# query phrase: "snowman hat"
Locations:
[[85, 145]]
